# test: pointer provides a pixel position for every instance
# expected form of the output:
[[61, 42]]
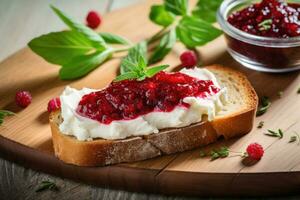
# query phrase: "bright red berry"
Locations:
[[23, 98], [255, 151], [93, 19], [188, 59], [53, 104]]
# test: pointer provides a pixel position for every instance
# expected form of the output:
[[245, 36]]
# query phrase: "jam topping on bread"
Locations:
[[130, 99]]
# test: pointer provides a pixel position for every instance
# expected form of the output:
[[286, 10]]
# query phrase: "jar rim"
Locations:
[[222, 14]]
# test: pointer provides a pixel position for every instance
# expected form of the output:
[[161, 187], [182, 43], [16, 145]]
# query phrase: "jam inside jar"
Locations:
[[263, 35]]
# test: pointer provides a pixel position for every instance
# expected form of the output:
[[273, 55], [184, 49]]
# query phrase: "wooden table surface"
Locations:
[[20, 22]]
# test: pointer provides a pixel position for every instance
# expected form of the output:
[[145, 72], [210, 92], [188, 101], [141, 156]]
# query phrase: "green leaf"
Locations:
[[164, 47], [135, 60], [293, 138], [97, 40], [272, 133], [214, 155], [46, 185], [261, 124], [177, 7], [161, 16], [127, 75], [5, 113], [193, 31], [264, 106], [154, 70], [60, 47], [111, 38], [83, 64], [207, 9], [219, 153]]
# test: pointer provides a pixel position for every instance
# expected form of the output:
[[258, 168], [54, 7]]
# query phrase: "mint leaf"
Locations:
[[127, 75], [161, 16], [154, 70], [3, 114], [134, 65], [135, 60], [206, 10], [193, 31], [177, 7], [83, 64], [97, 40], [60, 47], [164, 47], [111, 38]]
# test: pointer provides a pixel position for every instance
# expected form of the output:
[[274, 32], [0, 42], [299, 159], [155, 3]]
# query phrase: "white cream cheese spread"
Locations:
[[87, 129]]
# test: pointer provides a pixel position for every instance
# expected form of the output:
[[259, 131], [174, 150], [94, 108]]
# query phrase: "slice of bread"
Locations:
[[236, 120]]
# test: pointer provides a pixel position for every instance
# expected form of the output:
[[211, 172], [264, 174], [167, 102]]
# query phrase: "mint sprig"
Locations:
[[3, 114], [80, 49], [134, 65]]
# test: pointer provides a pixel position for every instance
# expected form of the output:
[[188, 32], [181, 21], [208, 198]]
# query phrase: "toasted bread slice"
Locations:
[[236, 120]]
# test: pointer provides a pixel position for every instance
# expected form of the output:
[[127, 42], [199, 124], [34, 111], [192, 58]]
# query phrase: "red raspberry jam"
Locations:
[[270, 18], [129, 99]]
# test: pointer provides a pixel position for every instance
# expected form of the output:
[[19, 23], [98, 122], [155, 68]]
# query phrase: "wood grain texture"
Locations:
[[41, 79]]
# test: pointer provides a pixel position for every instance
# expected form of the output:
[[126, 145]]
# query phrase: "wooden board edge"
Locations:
[[118, 177], [228, 184], [156, 181]]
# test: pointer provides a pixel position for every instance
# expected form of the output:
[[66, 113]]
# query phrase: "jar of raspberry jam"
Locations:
[[262, 35]]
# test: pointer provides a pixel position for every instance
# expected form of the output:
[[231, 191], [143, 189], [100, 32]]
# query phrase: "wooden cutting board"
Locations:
[[26, 138]]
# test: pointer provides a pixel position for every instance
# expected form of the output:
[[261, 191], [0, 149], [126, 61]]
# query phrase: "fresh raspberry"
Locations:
[[23, 98], [188, 59], [255, 151], [53, 104], [93, 19]]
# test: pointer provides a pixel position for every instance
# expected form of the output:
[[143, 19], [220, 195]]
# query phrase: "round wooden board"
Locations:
[[26, 137]]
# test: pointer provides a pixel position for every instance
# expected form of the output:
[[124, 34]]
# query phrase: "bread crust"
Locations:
[[102, 152]]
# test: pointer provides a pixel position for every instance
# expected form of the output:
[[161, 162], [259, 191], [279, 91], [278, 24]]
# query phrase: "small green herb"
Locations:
[[272, 133], [264, 106], [280, 93], [134, 65], [47, 185], [293, 139], [3, 114], [219, 153], [265, 25], [260, 124]]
